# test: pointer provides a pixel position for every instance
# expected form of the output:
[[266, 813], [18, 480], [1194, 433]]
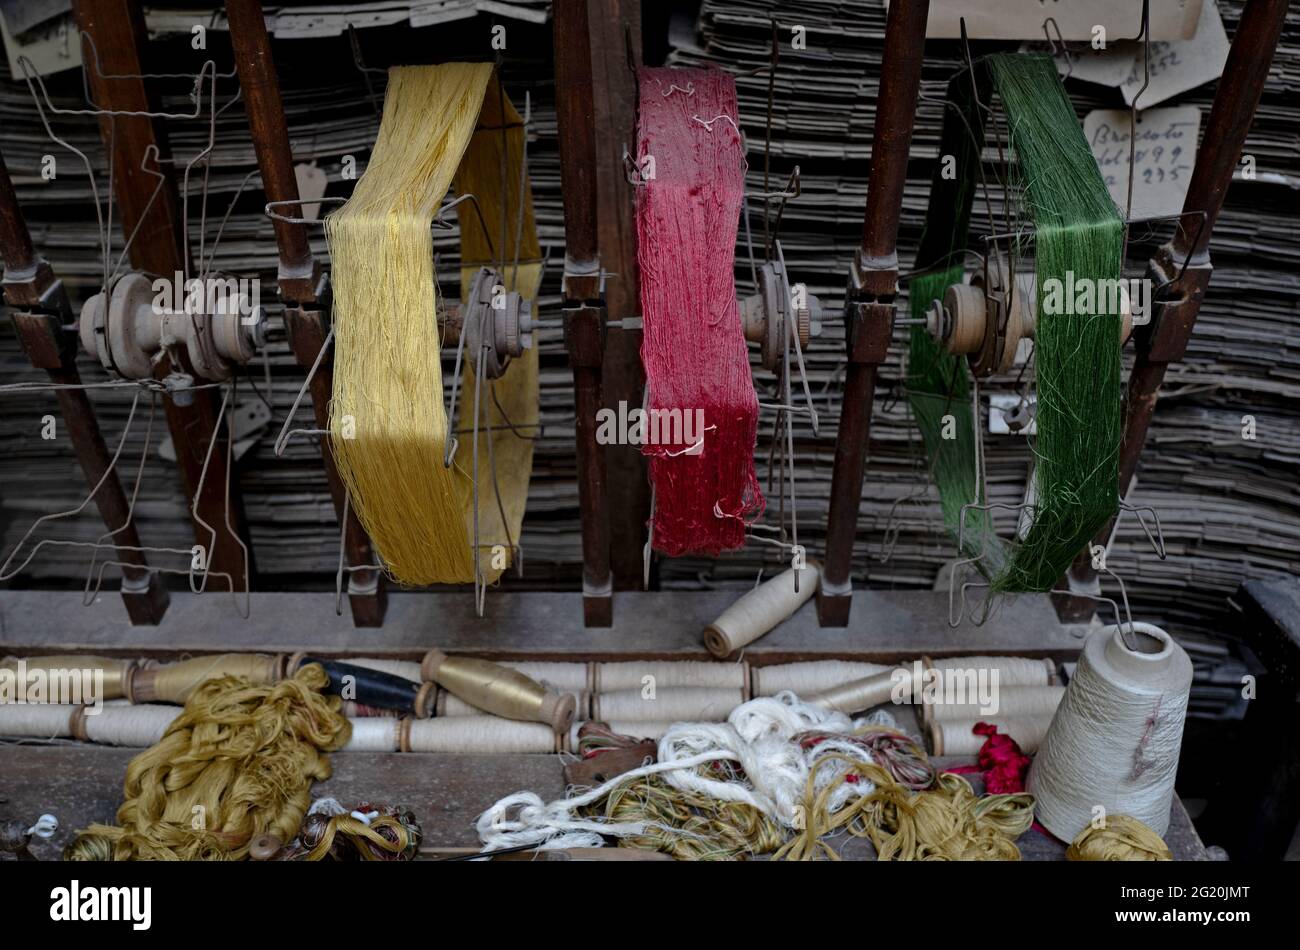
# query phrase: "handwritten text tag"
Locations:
[[1162, 164]]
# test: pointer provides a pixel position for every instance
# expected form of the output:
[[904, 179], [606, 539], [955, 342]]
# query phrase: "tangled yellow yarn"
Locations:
[[238, 762], [946, 823], [1120, 838]]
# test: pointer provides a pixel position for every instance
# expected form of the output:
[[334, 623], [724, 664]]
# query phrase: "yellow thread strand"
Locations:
[[1122, 838], [388, 420]]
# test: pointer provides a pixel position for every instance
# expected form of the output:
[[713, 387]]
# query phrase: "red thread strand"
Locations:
[[693, 345]]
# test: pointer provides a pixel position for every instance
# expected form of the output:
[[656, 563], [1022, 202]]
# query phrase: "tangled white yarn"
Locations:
[[757, 736]]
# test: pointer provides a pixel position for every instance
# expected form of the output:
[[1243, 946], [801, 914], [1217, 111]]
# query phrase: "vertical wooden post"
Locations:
[[117, 30], [869, 307], [584, 306], [301, 281], [613, 23], [41, 317]]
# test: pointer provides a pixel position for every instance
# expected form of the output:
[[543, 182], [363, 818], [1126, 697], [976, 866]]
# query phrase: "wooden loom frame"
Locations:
[[582, 53]]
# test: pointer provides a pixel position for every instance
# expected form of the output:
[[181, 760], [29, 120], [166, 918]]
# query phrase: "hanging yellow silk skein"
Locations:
[[388, 420]]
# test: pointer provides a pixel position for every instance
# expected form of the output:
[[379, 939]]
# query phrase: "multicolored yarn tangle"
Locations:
[[367, 832], [238, 762], [595, 738], [898, 752], [689, 825], [1121, 838], [702, 411]]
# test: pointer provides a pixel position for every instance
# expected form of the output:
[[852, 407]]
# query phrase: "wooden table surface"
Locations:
[[81, 784]]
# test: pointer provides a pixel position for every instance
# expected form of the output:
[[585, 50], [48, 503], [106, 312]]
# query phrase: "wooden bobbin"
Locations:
[[499, 690], [1012, 670], [901, 683], [174, 682], [77, 724], [449, 704], [668, 703], [264, 847], [973, 319], [633, 674], [1012, 702], [810, 676], [480, 734], [116, 672], [761, 609], [956, 736]]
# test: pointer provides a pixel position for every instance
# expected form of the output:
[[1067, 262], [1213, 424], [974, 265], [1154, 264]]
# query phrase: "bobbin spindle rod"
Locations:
[[15, 240], [1231, 116], [575, 115], [900, 84]]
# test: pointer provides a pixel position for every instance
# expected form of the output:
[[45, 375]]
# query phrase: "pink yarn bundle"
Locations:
[[703, 411]]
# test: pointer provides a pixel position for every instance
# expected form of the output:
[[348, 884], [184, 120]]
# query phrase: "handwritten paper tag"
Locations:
[[50, 47], [1164, 155], [1179, 66]]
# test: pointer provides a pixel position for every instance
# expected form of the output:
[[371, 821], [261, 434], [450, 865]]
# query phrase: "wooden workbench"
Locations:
[[83, 783]]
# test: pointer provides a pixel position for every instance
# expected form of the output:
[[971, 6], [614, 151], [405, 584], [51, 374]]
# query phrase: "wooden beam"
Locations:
[[888, 626]]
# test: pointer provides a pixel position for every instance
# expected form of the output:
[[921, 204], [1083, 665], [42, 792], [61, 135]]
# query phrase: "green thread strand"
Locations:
[[1077, 356]]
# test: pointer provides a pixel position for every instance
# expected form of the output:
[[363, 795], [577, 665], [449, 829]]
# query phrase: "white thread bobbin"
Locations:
[[132, 726], [669, 703], [1006, 701], [1115, 740], [375, 734], [36, 720], [900, 685], [760, 610], [632, 675], [480, 735], [957, 736], [1012, 670], [811, 676]]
